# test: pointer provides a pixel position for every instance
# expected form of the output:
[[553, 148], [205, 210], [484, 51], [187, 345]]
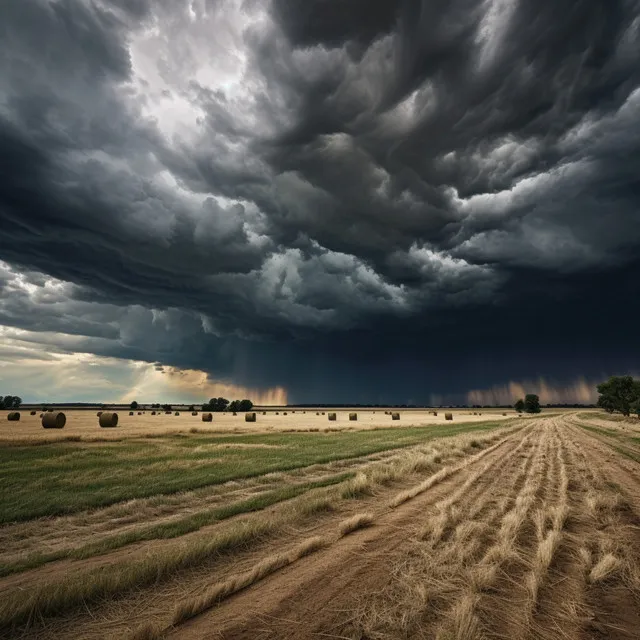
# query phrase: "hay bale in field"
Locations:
[[108, 419], [167, 413], [194, 413], [448, 416], [33, 413], [14, 416], [52, 420], [504, 414], [207, 417], [235, 413], [130, 413], [323, 412], [249, 417], [177, 413], [139, 413], [317, 413], [153, 413], [332, 416], [395, 416], [353, 416], [435, 413], [277, 413], [285, 413], [264, 413]]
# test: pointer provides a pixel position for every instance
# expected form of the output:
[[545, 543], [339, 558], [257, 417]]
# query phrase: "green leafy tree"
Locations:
[[245, 405], [532, 403], [167, 407], [133, 405], [619, 393], [216, 404], [519, 406], [635, 407], [234, 406]]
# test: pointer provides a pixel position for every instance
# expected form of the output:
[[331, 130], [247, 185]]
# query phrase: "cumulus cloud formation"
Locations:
[[276, 192]]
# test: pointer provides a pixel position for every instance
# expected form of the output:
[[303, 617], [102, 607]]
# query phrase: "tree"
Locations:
[[234, 406], [216, 404], [635, 408], [133, 405], [532, 403], [619, 393], [245, 405], [167, 407], [519, 406], [10, 402]]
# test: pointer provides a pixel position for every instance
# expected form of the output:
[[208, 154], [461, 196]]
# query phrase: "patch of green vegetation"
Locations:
[[175, 528], [63, 478], [621, 438]]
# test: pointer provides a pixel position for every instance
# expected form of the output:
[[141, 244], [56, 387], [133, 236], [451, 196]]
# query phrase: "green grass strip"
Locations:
[[175, 528]]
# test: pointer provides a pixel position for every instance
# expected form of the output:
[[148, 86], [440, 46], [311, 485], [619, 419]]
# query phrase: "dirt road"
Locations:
[[537, 539]]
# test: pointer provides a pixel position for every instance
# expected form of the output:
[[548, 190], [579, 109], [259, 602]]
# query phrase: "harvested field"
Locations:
[[82, 424], [519, 529]]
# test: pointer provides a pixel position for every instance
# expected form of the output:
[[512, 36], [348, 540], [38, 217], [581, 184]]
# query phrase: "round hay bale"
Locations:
[[55, 420], [353, 416], [14, 416], [264, 413], [130, 413], [448, 416], [332, 417], [207, 417], [33, 413], [108, 419], [504, 414], [194, 413], [167, 413], [249, 417], [395, 416], [323, 413], [177, 413], [435, 413], [277, 413], [317, 413], [235, 413], [153, 413], [139, 413]]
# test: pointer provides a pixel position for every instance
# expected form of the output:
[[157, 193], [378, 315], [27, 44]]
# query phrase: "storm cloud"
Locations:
[[353, 201]]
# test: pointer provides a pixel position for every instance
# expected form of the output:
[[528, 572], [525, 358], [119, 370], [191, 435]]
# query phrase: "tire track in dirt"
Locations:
[[306, 594]]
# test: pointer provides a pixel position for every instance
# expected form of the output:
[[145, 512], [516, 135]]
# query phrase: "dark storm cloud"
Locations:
[[368, 188]]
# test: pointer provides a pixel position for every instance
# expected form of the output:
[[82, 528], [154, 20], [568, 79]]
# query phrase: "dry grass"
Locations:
[[359, 521], [192, 607]]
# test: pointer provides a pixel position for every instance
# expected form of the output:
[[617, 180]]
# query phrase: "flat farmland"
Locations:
[[84, 424], [480, 528]]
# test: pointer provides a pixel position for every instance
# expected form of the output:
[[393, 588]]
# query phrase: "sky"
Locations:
[[371, 201]]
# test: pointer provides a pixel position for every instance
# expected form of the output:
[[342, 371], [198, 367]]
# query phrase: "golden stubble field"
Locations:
[[474, 529], [84, 423]]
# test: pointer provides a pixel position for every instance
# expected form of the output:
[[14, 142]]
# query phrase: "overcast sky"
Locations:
[[328, 200]]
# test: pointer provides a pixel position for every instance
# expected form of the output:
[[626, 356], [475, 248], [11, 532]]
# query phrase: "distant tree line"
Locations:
[[222, 404], [620, 394], [10, 402], [530, 404]]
